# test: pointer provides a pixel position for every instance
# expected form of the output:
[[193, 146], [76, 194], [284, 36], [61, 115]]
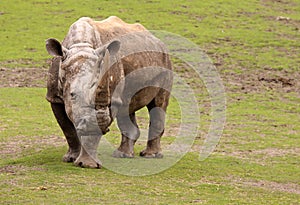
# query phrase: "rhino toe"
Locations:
[[86, 162], [146, 154], [119, 154], [88, 165], [70, 156]]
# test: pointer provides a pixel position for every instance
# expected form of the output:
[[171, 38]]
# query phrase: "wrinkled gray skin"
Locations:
[[92, 80]]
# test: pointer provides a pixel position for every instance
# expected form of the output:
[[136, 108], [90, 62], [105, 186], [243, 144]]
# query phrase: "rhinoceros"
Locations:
[[106, 70]]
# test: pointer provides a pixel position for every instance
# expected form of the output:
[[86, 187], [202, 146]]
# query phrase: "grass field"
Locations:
[[255, 48]]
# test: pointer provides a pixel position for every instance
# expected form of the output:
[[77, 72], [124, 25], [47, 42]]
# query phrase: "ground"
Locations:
[[255, 48], [246, 83]]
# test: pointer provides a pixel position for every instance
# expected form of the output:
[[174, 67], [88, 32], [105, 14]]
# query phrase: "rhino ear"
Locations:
[[112, 47], [54, 47]]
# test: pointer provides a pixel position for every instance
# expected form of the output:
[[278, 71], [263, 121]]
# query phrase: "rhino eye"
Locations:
[[73, 95]]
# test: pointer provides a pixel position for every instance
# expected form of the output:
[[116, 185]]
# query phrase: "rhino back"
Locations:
[[114, 27], [139, 49]]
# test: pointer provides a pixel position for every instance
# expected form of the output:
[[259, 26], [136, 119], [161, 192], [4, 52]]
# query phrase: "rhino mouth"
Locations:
[[85, 126]]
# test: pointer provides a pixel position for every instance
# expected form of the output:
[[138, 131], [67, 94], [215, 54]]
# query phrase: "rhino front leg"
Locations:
[[69, 131], [130, 133], [88, 155]]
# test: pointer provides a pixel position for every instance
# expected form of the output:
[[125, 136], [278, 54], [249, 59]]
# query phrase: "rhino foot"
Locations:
[[88, 162], [147, 154], [70, 156], [119, 154]]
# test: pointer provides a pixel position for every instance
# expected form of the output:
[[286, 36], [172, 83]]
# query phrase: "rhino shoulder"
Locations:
[[114, 27]]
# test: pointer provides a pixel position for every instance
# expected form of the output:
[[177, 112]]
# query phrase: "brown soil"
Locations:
[[23, 77], [244, 82], [16, 145], [14, 169], [261, 156], [268, 185], [262, 80]]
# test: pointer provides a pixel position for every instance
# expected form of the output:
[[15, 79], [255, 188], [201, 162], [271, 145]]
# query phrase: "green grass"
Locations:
[[236, 28], [24, 111], [39, 176], [257, 159]]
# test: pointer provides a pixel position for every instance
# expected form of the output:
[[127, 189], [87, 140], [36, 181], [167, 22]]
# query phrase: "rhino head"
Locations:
[[83, 84]]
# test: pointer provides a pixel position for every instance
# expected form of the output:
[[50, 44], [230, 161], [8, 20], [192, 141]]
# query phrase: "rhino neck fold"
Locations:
[[81, 45]]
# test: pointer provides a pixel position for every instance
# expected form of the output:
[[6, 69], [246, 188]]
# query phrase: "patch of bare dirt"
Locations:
[[262, 155], [268, 152], [244, 82], [18, 144], [238, 79], [263, 80], [293, 24], [268, 185], [14, 169], [280, 5], [283, 6], [23, 77]]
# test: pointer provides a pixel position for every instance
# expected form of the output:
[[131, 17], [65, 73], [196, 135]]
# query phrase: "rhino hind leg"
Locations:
[[157, 109], [156, 130], [69, 131], [130, 133]]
